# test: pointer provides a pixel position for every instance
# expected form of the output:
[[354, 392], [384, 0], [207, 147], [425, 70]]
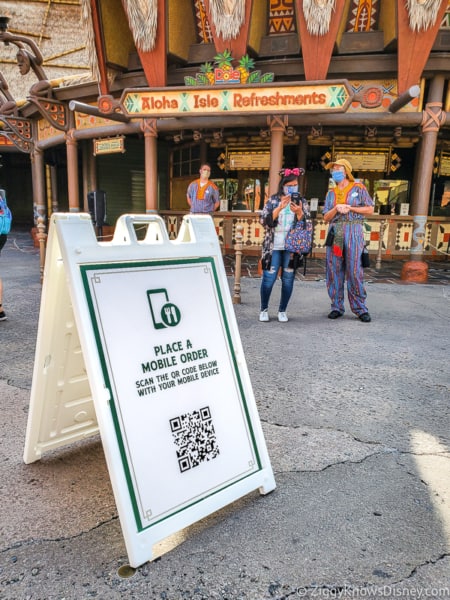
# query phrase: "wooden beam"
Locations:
[[317, 49], [414, 47], [99, 47], [238, 45], [154, 62]]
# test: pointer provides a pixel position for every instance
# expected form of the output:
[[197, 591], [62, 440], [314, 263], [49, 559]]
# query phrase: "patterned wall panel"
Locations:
[[372, 236], [378, 95], [363, 15], [446, 20], [252, 232], [443, 238], [319, 233], [404, 236], [173, 223], [203, 29], [219, 225], [281, 17]]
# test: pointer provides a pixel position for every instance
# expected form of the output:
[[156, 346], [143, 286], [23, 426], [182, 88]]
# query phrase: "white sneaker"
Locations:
[[282, 317], [264, 315]]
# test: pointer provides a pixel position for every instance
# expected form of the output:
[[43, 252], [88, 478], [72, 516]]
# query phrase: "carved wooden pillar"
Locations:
[[433, 117], [238, 264], [38, 176], [149, 129], [72, 171], [277, 128], [48, 189]]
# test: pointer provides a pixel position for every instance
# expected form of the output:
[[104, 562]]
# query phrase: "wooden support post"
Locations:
[[148, 126], [302, 154], [42, 239], [72, 171], [277, 127], [380, 244], [38, 174], [238, 264], [416, 269]]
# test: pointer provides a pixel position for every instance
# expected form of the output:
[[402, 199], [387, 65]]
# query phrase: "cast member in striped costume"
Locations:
[[346, 206], [202, 194]]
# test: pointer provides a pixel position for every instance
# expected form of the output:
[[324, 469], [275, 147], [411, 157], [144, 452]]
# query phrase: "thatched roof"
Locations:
[[55, 26]]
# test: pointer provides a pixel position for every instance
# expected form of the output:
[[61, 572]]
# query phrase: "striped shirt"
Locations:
[[203, 198]]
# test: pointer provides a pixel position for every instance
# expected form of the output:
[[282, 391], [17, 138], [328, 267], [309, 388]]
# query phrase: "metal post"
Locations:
[[238, 264], [380, 244]]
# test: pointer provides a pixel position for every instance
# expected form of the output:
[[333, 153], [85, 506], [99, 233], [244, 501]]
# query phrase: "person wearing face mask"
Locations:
[[278, 216], [202, 194], [346, 206]]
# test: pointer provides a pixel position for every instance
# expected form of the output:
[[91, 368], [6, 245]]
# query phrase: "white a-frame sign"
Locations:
[[137, 339]]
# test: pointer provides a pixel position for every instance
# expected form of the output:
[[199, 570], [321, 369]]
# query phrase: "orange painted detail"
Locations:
[[414, 47], [154, 62], [317, 49], [372, 97], [238, 45], [281, 16], [415, 271], [98, 41]]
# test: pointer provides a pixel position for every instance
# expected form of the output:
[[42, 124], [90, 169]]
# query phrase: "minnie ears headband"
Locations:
[[297, 172]]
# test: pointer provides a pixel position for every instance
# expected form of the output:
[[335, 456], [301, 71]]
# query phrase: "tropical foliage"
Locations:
[[222, 72]]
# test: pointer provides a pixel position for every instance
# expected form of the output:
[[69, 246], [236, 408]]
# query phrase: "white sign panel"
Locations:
[[175, 389], [138, 339], [314, 204], [404, 209]]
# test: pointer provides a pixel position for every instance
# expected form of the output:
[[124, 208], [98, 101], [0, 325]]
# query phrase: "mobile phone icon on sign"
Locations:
[[164, 313]]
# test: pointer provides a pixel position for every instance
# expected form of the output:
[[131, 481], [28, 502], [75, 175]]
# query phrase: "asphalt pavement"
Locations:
[[356, 421]]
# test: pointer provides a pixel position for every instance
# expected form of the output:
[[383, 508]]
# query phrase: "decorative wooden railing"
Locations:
[[394, 232]]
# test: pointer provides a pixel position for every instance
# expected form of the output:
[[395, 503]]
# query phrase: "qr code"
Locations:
[[195, 438]]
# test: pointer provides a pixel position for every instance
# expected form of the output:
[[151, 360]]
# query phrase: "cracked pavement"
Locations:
[[356, 421]]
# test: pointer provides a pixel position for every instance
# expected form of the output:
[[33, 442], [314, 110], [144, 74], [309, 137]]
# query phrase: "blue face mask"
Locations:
[[338, 176], [290, 189]]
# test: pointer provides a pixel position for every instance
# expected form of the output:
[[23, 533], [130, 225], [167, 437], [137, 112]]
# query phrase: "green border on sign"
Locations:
[[85, 270]]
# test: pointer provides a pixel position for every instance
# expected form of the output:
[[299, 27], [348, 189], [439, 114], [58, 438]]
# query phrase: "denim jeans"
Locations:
[[280, 258]]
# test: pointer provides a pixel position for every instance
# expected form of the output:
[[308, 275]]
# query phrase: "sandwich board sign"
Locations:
[[137, 339]]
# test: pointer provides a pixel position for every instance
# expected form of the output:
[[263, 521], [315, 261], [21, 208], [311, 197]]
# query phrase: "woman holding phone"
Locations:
[[279, 214]]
